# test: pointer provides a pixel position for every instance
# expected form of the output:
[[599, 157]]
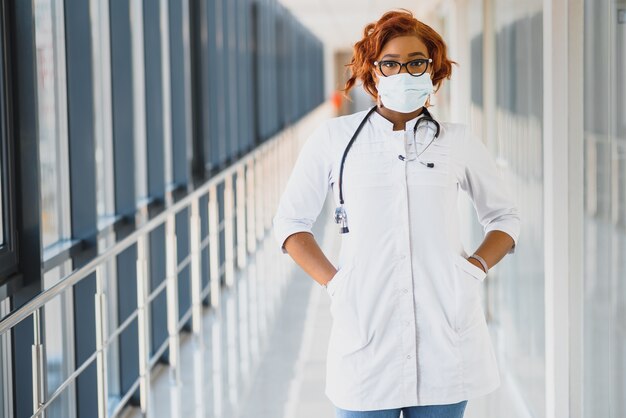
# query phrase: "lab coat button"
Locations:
[[408, 356], [405, 290]]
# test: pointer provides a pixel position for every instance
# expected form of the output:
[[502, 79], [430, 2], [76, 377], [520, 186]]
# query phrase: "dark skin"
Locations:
[[398, 49], [302, 246]]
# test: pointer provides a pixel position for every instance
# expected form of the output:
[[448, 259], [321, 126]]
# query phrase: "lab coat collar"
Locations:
[[387, 125]]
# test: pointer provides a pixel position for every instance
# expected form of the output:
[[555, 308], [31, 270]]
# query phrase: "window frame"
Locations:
[[8, 247]]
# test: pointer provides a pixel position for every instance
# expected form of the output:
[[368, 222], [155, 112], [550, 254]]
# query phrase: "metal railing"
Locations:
[[254, 183]]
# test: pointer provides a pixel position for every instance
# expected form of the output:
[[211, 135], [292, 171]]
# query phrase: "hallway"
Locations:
[[146, 145]]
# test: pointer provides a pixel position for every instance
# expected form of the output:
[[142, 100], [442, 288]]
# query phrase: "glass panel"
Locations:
[[139, 105], [617, 382], [475, 31], [101, 73], [61, 406], [517, 293], [2, 159], [604, 360], [5, 365], [58, 325], [111, 309], [1, 200], [48, 150]]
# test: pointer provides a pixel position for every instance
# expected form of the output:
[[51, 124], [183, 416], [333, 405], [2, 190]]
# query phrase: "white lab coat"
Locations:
[[408, 327]]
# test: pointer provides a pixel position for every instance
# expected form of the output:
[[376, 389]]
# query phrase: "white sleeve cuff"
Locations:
[[283, 229]]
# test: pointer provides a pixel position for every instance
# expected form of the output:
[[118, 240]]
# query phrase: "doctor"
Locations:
[[408, 334]]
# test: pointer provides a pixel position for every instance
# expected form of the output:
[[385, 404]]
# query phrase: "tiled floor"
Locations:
[[265, 357]]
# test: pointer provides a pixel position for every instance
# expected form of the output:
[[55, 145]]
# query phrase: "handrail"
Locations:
[[246, 214], [76, 276]]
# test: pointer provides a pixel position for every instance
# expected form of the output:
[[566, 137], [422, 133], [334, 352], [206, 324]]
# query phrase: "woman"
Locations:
[[409, 333]]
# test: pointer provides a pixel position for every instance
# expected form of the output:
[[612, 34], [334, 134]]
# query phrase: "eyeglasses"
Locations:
[[415, 67]]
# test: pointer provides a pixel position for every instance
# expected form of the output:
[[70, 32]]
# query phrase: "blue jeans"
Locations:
[[455, 410]]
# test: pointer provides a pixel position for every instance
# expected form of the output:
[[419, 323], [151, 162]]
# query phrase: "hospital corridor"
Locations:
[[164, 163]]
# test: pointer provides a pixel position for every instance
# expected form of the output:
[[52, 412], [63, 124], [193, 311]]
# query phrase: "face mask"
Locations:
[[403, 92]]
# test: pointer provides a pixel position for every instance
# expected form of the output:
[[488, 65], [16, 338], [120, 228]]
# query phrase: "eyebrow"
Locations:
[[397, 56]]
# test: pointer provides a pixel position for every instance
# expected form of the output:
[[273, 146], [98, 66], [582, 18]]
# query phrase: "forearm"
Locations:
[[493, 248], [305, 251]]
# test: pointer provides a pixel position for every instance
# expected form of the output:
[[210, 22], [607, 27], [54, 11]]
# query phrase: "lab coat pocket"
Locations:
[[467, 284], [470, 268], [346, 336], [331, 287]]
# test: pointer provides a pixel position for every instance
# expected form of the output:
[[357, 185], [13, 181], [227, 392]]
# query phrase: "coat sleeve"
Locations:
[[491, 197], [306, 189]]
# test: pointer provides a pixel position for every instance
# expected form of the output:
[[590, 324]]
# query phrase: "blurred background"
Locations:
[[145, 145]]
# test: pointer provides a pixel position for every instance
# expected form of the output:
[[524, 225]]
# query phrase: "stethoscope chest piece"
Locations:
[[341, 218]]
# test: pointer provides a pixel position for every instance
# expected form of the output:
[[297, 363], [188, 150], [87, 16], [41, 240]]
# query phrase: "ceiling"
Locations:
[[340, 23]]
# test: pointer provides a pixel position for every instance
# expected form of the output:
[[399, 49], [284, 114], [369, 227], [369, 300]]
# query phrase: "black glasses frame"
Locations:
[[379, 64]]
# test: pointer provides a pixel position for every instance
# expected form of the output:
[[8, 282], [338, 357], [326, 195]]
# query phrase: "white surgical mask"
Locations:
[[403, 92]]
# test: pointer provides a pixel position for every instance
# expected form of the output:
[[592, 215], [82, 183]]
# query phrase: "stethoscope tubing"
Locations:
[[340, 212], [426, 117]]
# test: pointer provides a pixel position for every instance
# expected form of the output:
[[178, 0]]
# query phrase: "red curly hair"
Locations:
[[375, 35]]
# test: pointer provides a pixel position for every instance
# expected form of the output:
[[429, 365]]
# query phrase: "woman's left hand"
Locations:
[[493, 248], [475, 262]]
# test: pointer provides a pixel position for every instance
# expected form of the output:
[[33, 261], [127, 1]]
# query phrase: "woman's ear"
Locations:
[[374, 77]]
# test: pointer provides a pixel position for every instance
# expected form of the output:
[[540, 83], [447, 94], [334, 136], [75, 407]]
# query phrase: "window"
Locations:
[[51, 118], [604, 219], [8, 251], [518, 140], [1, 200]]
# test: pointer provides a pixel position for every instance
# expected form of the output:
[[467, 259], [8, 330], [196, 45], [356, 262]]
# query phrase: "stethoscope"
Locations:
[[340, 211]]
